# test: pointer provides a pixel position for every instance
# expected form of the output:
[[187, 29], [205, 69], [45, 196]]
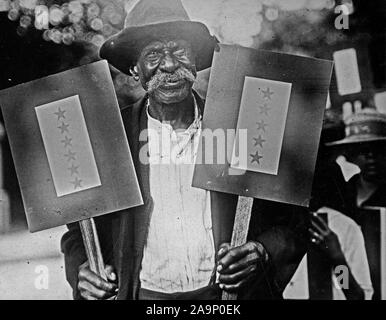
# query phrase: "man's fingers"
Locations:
[[87, 275], [86, 295], [110, 274], [231, 256], [235, 254], [231, 287], [315, 234], [243, 263], [236, 286], [315, 241], [318, 229], [224, 248], [92, 287], [320, 222], [237, 276], [89, 292]]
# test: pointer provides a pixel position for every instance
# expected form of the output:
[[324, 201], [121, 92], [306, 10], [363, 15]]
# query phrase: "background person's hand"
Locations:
[[238, 265], [324, 238], [92, 287]]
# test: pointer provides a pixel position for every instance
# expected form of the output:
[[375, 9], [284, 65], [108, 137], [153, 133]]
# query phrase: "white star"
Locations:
[[70, 155], [67, 142], [267, 94], [63, 128], [259, 141], [261, 125], [73, 169], [77, 183], [255, 157], [60, 113], [264, 109]]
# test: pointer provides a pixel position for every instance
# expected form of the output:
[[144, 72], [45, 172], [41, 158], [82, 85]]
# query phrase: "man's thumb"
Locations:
[[111, 275]]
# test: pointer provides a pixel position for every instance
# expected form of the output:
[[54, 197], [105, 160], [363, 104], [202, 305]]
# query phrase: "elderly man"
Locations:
[[176, 245]]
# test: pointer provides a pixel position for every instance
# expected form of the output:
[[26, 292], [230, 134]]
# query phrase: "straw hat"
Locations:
[[367, 125]]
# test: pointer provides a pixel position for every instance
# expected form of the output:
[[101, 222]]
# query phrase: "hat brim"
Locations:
[[123, 49], [356, 139]]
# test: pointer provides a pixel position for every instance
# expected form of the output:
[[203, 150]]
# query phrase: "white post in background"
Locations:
[[383, 253], [5, 214]]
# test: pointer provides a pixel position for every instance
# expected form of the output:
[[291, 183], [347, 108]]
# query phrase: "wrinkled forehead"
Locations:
[[166, 43]]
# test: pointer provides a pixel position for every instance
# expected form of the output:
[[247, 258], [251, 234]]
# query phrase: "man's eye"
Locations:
[[153, 55], [179, 53]]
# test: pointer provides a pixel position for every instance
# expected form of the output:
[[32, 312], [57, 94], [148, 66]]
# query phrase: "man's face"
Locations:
[[371, 159], [167, 70]]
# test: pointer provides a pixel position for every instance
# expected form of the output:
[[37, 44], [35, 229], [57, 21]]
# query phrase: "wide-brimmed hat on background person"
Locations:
[[364, 126]]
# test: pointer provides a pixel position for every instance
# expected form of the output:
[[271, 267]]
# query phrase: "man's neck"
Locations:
[[179, 115], [365, 189]]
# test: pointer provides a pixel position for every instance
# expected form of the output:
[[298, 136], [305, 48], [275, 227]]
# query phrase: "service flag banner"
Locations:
[[69, 147], [264, 105], [262, 123]]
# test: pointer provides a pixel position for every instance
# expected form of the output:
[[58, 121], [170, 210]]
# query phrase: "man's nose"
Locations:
[[370, 155], [169, 63]]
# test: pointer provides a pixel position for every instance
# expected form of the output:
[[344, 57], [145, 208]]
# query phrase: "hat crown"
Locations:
[[367, 114], [147, 12], [367, 123]]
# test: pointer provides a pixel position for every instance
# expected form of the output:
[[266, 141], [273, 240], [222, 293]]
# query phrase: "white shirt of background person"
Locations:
[[353, 246]]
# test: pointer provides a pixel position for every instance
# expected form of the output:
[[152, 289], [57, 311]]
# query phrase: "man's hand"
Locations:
[[326, 239], [93, 287], [238, 265]]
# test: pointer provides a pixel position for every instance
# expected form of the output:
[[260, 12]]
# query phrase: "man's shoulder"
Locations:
[[129, 107], [341, 223], [335, 215], [128, 110]]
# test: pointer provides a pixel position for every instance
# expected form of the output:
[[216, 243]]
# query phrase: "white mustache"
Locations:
[[161, 78]]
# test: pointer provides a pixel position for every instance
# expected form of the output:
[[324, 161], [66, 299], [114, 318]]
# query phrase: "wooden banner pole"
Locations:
[[92, 247], [240, 231]]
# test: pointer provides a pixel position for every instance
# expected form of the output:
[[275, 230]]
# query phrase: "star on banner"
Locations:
[[261, 125], [60, 114], [63, 128], [70, 155], [73, 169], [77, 183], [267, 94], [256, 157], [67, 142], [259, 141], [264, 109]]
